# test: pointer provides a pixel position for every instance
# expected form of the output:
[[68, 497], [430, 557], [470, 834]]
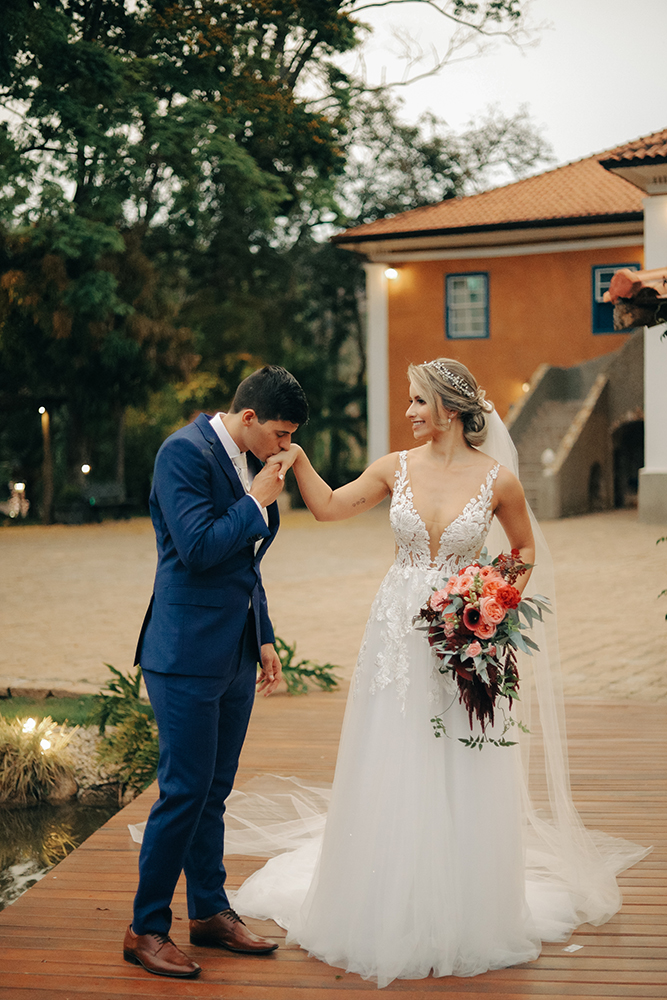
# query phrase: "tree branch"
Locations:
[[477, 28]]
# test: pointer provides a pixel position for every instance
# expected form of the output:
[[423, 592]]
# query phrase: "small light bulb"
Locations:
[[45, 744], [525, 387], [19, 487], [85, 469], [391, 273], [42, 409], [29, 725]]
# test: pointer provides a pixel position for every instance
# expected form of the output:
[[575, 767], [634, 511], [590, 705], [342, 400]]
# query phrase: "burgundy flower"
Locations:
[[471, 617]]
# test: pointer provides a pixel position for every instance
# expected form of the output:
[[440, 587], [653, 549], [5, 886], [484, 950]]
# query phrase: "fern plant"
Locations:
[[132, 751], [298, 673], [119, 698]]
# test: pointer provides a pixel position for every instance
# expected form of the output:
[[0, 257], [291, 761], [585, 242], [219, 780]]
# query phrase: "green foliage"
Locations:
[[28, 770], [393, 166], [132, 750], [482, 739], [119, 699], [297, 673], [75, 711]]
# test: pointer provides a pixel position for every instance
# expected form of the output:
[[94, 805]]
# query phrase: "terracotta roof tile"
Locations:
[[580, 190], [647, 147]]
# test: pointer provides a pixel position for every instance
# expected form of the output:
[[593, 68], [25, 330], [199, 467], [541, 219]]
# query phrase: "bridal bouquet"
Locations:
[[474, 625]]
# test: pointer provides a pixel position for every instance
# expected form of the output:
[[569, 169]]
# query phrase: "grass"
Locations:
[[32, 761], [73, 711]]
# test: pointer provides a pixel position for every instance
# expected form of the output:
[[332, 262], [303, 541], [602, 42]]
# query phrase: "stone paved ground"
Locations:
[[73, 598]]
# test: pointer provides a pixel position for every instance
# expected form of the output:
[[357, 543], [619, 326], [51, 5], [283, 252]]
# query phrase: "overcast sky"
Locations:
[[596, 79]]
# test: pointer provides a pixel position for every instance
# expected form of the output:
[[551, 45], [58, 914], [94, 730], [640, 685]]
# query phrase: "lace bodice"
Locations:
[[461, 540], [413, 575]]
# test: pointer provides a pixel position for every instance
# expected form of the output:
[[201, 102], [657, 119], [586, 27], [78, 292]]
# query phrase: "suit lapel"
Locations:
[[220, 454]]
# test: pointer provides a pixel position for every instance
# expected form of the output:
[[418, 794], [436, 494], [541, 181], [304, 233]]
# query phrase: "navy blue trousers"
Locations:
[[202, 722]]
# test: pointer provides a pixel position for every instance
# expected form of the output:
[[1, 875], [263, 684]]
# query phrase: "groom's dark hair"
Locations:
[[273, 394]]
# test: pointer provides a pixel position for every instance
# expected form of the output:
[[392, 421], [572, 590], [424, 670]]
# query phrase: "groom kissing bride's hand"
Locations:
[[213, 507]]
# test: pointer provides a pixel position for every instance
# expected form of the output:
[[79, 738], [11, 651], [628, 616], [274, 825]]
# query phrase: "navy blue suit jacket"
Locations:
[[208, 571]]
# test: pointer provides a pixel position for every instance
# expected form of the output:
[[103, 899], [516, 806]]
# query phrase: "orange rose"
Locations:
[[484, 630], [492, 611]]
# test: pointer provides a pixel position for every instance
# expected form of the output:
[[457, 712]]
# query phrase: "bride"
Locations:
[[433, 858]]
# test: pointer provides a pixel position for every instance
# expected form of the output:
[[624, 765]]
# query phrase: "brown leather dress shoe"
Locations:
[[227, 930], [157, 953]]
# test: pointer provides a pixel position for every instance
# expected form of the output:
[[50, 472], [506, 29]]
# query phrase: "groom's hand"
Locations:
[[271, 670], [267, 484]]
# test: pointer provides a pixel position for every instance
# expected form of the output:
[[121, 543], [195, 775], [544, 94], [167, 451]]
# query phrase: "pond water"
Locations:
[[33, 840]]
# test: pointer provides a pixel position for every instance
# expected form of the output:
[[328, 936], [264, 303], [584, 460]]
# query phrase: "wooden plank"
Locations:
[[63, 938]]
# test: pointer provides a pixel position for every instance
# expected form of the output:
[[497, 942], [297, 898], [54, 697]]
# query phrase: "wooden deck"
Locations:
[[62, 939]]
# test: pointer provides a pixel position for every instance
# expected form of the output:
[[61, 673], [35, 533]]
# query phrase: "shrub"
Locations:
[[132, 751], [32, 759], [121, 697]]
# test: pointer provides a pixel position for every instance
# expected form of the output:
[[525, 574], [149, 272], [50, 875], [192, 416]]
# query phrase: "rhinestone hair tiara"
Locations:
[[454, 380]]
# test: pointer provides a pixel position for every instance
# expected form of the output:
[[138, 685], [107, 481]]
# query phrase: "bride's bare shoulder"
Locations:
[[508, 488], [385, 467]]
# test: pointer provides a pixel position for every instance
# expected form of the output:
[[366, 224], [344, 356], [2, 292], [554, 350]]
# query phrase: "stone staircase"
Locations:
[[575, 412], [547, 429]]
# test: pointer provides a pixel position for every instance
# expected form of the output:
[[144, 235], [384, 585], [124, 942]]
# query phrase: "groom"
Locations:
[[214, 513]]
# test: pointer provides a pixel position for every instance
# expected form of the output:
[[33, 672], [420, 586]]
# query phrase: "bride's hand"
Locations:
[[285, 459]]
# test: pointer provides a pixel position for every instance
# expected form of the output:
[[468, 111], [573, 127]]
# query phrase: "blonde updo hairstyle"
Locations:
[[458, 392]]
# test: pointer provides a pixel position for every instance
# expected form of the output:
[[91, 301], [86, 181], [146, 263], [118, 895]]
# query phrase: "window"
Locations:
[[603, 312], [467, 305]]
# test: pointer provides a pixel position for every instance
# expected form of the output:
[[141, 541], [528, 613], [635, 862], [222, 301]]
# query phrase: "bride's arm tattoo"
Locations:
[[357, 502]]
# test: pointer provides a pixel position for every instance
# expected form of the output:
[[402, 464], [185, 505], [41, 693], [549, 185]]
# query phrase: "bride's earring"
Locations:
[[449, 422]]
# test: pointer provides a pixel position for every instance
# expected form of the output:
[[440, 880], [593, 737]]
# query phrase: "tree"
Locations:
[[393, 166], [138, 135], [164, 166]]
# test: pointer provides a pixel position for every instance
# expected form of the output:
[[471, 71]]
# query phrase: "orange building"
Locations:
[[504, 281]]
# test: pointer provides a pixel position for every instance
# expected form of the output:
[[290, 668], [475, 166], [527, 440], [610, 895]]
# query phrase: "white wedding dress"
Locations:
[[428, 861]]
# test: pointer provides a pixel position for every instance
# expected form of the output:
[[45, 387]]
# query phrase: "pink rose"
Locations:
[[439, 600], [484, 630], [461, 584], [474, 649], [492, 612]]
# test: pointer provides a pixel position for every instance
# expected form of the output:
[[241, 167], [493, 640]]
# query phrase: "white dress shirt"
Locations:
[[233, 450]]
